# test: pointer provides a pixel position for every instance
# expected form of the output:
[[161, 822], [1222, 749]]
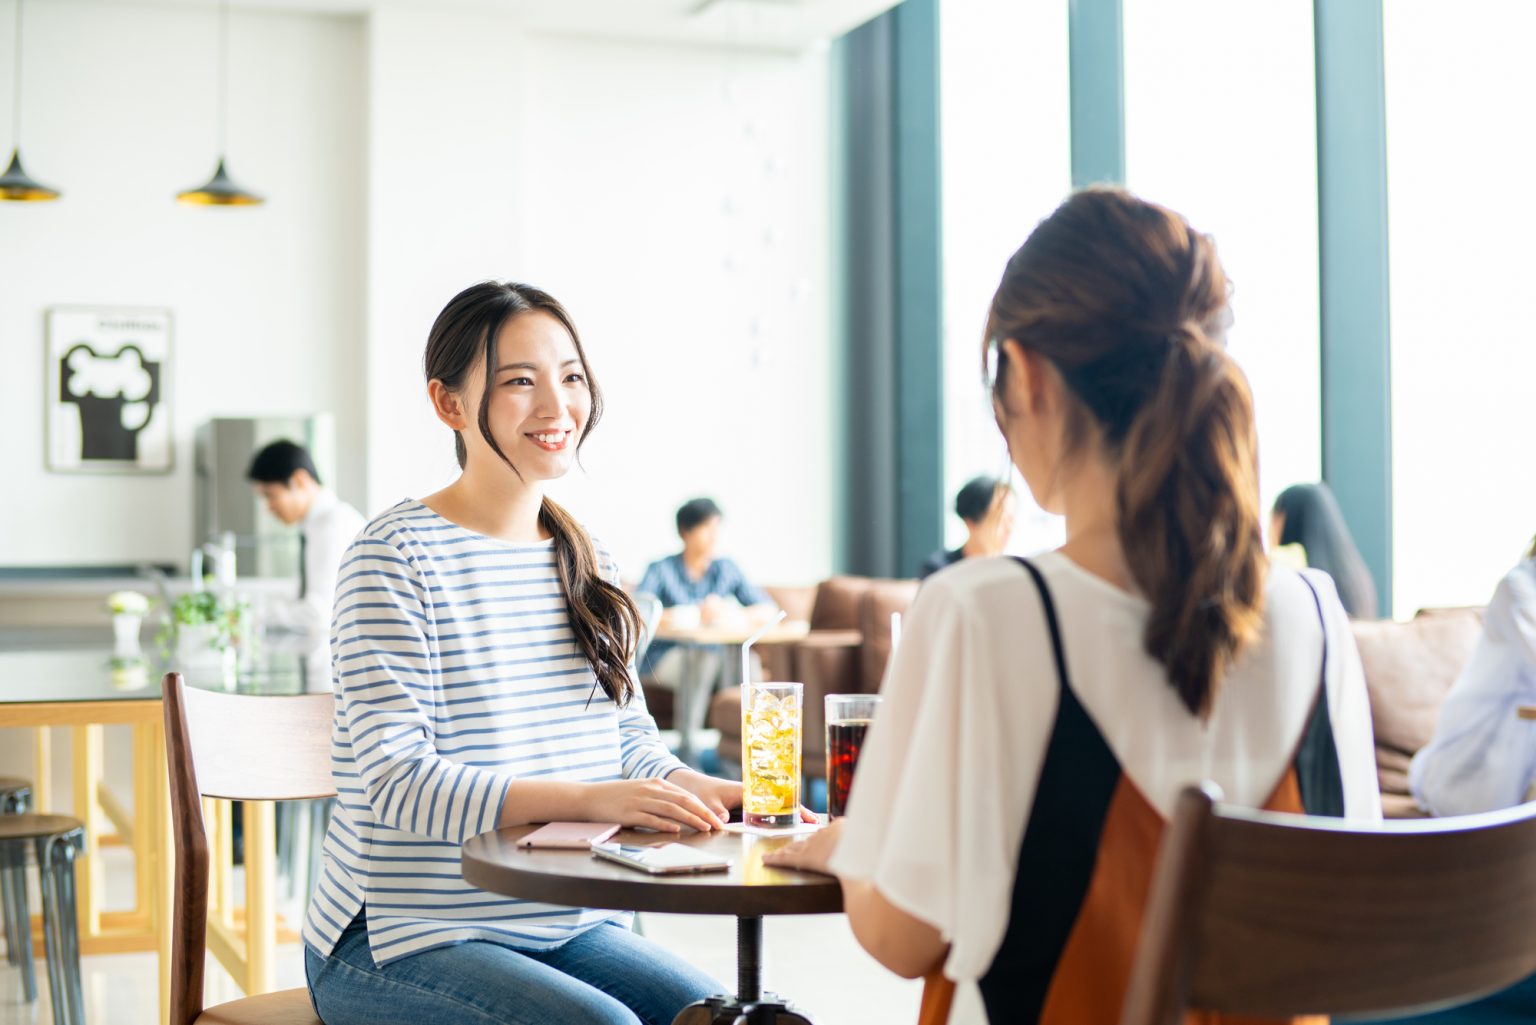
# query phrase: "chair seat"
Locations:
[[31, 827], [285, 1007]]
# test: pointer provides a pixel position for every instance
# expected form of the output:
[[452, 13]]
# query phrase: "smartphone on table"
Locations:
[[576, 836], [661, 859]]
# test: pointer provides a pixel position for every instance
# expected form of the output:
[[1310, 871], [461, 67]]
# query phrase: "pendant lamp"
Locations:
[[221, 190], [15, 183]]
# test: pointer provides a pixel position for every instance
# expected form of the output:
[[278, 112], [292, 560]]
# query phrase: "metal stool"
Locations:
[[56, 839], [15, 798]]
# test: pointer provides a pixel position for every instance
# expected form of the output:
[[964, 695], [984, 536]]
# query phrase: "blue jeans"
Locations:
[[605, 976]]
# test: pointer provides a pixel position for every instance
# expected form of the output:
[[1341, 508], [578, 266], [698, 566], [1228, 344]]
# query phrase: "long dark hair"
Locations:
[[1129, 304], [1314, 521], [603, 618]]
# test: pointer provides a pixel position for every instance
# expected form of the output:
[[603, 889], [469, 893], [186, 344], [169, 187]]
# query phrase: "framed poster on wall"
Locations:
[[108, 390]]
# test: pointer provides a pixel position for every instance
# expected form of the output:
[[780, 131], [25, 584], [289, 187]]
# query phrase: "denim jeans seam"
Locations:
[[619, 986], [450, 998]]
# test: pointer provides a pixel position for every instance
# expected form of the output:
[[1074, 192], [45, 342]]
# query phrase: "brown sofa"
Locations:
[[845, 653], [1409, 667]]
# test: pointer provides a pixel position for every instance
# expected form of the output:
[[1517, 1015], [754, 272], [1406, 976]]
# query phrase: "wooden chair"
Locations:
[[241, 748], [1269, 915]]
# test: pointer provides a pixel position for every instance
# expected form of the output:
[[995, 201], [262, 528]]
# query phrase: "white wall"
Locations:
[[444, 147], [267, 301], [675, 197], [676, 200]]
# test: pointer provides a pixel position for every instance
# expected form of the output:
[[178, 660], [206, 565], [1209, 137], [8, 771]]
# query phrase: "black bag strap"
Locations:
[[1049, 605], [1319, 775]]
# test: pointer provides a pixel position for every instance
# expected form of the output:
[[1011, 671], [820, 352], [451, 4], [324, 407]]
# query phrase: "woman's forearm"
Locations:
[[906, 945], [543, 801]]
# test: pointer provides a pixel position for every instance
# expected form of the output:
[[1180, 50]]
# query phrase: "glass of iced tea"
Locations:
[[848, 719], [770, 753]]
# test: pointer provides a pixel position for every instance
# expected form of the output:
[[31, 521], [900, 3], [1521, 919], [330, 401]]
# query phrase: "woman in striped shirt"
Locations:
[[481, 650]]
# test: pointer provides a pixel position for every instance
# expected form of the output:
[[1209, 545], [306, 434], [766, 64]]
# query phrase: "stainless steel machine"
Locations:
[[228, 504]]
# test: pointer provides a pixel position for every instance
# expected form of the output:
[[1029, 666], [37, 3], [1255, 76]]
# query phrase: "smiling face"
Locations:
[[539, 401]]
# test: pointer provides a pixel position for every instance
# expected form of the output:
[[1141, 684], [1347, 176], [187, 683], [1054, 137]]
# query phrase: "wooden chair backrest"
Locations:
[[239, 747], [1269, 915]]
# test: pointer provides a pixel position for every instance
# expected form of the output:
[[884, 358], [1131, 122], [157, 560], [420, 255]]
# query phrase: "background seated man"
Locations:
[[987, 506], [285, 476], [713, 590]]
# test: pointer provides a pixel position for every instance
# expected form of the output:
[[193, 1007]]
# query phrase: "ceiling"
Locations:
[[756, 24]]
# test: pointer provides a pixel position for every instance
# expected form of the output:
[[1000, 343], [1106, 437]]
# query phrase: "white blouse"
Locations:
[[1483, 755], [947, 778]]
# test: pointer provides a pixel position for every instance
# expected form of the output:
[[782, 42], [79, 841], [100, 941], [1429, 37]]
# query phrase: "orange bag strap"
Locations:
[[938, 995]]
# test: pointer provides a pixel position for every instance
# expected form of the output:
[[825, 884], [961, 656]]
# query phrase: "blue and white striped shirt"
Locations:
[[455, 672]]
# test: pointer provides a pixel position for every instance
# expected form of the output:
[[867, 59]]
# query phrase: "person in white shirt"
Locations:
[[285, 476], [1042, 716], [1483, 755]]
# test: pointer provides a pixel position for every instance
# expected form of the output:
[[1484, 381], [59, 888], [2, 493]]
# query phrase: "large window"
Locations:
[[1221, 125], [1006, 165], [1459, 148]]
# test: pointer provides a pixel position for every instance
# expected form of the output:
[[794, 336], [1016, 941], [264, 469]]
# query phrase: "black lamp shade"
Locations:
[[18, 186], [220, 190]]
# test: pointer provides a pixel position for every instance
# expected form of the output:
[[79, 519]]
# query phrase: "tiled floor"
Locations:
[[814, 960]]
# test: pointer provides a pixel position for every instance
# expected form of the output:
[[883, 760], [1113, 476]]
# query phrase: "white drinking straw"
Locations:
[[895, 631], [746, 647]]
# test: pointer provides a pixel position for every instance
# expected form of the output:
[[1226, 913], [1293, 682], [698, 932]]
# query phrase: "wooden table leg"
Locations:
[[42, 770], [144, 835], [260, 895], [88, 771], [218, 821]]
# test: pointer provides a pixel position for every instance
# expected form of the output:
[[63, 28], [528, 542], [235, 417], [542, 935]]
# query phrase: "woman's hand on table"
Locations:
[[718, 795], [813, 854], [664, 805], [721, 795]]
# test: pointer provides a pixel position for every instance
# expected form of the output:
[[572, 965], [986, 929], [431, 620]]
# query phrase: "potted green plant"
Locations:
[[200, 632]]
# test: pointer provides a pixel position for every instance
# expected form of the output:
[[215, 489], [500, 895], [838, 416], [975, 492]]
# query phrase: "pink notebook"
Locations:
[[569, 835]]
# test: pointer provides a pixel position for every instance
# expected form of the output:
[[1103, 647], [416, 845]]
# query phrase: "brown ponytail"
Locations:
[[1130, 305], [603, 618]]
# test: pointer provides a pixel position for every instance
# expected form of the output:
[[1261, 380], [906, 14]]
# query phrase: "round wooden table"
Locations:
[[747, 890]]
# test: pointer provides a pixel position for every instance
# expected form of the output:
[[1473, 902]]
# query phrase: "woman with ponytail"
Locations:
[[482, 654], [1042, 716]]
